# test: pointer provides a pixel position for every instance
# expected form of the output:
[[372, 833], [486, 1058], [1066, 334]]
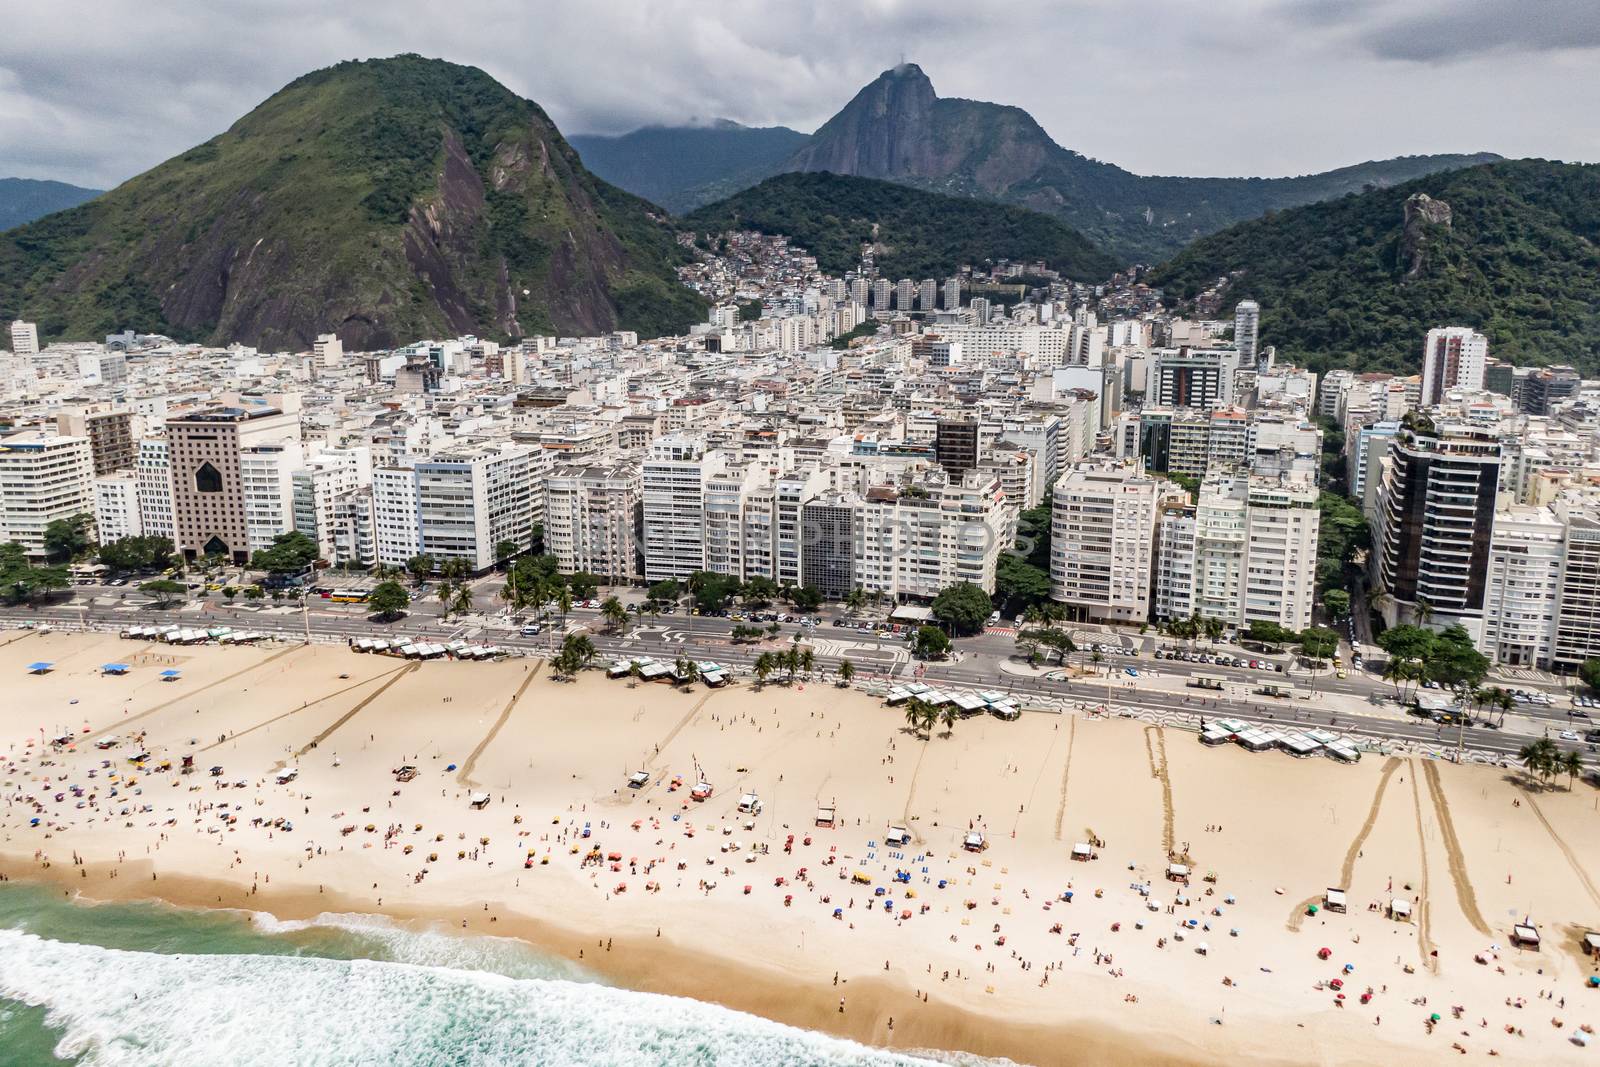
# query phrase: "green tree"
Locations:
[[847, 672], [67, 539], [1590, 673], [461, 602], [613, 612], [1337, 603], [1318, 643], [763, 667], [164, 591], [584, 585], [137, 553], [1018, 584], [806, 598], [919, 716], [931, 643], [229, 592], [712, 591], [759, 592], [856, 599], [963, 607], [290, 553], [252, 592], [666, 592], [1572, 766], [389, 599], [420, 566], [505, 550], [948, 716]]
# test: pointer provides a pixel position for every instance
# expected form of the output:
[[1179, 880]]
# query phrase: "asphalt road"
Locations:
[[977, 662]]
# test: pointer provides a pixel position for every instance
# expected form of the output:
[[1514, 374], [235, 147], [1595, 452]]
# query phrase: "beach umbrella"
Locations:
[[1434, 1017]]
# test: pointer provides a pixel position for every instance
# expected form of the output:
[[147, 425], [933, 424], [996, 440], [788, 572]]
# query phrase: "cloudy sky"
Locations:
[[94, 91]]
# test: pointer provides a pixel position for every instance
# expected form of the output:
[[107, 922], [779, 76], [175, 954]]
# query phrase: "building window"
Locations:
[[207, 479]]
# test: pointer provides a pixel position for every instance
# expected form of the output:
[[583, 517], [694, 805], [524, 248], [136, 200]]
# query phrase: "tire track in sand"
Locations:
[[467, 765], [1066, 773], [1572, 857], [304, 707], [409, 668], [1424, 942], [1158, 771], [190, 693], [1348, 869], [1466, 896], [676, 730]]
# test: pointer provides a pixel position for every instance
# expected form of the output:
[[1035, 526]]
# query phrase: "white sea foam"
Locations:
[[242, 1010], [429, 945]]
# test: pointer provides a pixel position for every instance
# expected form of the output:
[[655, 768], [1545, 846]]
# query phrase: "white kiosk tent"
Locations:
[[1333, 899], [1400, 910], [1525, 935]]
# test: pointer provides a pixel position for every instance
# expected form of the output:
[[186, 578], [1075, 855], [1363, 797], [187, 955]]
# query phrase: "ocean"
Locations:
[[131, 985]]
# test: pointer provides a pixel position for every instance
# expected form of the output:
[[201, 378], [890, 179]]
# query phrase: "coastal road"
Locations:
[[977, 663]]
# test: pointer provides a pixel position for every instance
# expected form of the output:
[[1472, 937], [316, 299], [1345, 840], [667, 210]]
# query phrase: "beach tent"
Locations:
[[1178, 872], [1214, 734], [638, 779], [1082, 852], [968, 703], [619, 668], [1256, 740], [1400, 910], [1333, 899], [1591, 944], [1298, 744], [825, 817], [479, 801], [897, 836], [897, 695], [171, 674], [1005, 711], [1232, 726], [287, 775], [1343, 751], [40, 668], [973, 842], [750, 804], [1525, 934], [113, 668]]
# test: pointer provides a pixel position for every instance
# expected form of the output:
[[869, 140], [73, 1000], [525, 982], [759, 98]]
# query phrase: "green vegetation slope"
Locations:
[[25, 199], [684, 167], [1510, 248], [382, 200], [918, 234]]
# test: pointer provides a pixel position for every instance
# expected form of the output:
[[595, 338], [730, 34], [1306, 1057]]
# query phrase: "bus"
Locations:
[[347, 596], [1202, 681]]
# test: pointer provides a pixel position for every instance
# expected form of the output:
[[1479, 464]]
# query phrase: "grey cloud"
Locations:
[[98, 91]]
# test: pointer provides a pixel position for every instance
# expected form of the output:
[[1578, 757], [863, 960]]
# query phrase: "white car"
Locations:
[[1569, 735]]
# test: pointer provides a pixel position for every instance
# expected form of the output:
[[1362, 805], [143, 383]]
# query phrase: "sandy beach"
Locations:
[[922, 946]]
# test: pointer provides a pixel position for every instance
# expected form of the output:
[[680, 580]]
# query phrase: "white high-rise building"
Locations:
[[1453, 357], [1523, 586], [43, 477], [1102, 540], [266, 477], [471, 500], [24, 338], [394, 514], [591, 519], [320, 484], [116, 506], [1247, 333], [328, 350], [674, 483], [153, 472]]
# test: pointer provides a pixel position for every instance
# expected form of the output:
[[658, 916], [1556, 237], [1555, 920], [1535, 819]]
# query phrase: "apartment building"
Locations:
[[116, 506], [1435, 513], [266, 478], [152, 472], [1523, 586], [675, 471], [43, 477], [1102, 543], [320, 484], [916, 539], [592, 518], [113, 435], [1193, 377], [208, 492], [1453, 357], [471, 500]]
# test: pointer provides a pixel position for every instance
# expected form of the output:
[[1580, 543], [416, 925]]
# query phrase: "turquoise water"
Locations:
[[141, 985]]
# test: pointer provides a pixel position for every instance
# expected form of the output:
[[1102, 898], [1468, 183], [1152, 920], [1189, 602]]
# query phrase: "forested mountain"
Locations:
[[916, 234], [25, 199], [1510, 248], [383, 200], [684, 167]]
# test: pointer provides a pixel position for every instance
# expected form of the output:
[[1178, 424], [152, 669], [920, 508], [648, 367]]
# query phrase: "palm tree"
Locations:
[[1424, 611], [807, 658], [461, 603], [1572, 764], [948, 718], [563, 599], [613, 612], [1096, 658], [634, 673], [1541, 758], [917, 713], [763, 667], [847, 671], [446, 594], [791, 662]]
